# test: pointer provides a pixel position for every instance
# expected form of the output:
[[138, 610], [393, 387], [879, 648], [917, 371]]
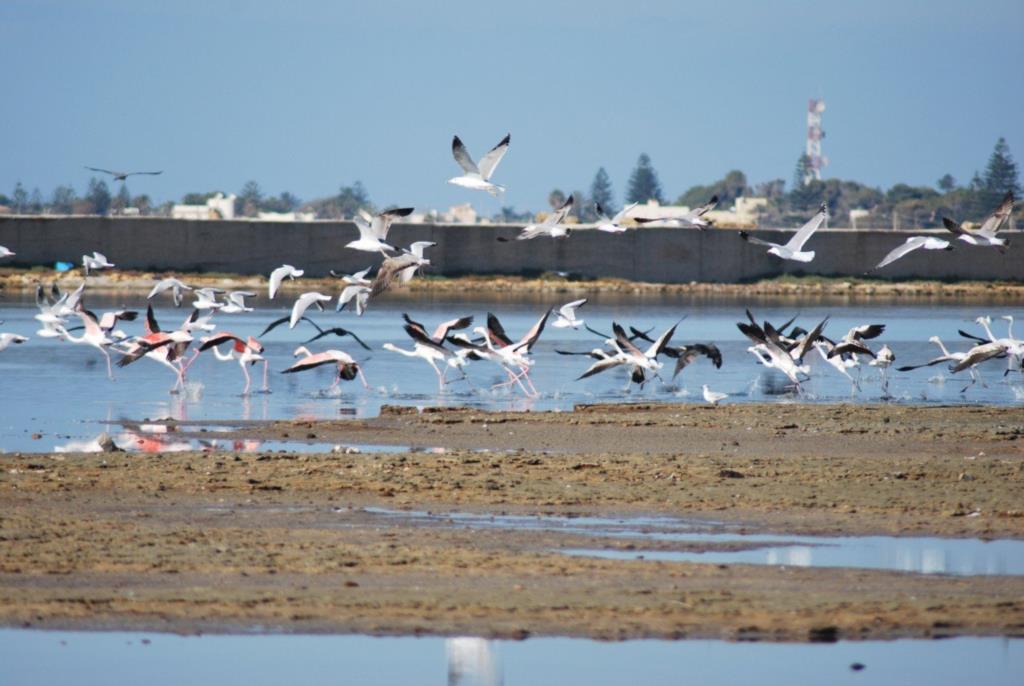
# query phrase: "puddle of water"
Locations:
[[111, 659], [923, 555]]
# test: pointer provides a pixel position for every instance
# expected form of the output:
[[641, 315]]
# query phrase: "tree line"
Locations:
[[901, 206]]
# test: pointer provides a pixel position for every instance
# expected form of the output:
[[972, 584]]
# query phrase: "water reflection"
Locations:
[[121, 658], [472, 662]]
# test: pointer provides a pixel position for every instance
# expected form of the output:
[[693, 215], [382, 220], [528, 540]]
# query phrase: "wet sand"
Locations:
[[224, 542]]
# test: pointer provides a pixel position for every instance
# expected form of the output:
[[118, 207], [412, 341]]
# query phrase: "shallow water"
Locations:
[[85, 658], [41, 372], [919, 554]]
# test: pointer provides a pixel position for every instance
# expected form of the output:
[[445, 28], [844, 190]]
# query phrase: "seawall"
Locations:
[[649, 254]]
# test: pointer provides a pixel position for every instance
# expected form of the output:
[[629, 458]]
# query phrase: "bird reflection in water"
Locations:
[[473, 662]]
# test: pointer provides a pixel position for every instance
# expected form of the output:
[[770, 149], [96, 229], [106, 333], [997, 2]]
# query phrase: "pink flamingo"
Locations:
[[347, 367]]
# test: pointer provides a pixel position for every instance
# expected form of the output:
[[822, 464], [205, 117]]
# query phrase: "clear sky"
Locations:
[[308, 96]]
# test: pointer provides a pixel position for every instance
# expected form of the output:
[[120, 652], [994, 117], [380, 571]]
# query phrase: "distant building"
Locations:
[[217, 207], [286, 216], [456, 214]]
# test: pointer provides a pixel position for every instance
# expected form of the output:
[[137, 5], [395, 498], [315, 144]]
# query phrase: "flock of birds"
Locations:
[[449, 347]]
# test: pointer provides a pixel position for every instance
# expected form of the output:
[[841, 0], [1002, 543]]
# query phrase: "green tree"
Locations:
[[98, 196], [801, 173], [733, 186], [35, 201], [643, 182], [19, 198], [122, 200], [198, 198], [1001, 172], [601, 192], [556, 199], [63, 200], [947, 183], [247, 204]]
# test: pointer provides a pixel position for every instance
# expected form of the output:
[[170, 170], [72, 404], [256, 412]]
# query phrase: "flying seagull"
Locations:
[[613, 224], [285, 271], [910, 245], [694, 219], [373, 233], [121, 176], [169, 284], [986, 235], [551, 226], [478, 177], [793, 250]]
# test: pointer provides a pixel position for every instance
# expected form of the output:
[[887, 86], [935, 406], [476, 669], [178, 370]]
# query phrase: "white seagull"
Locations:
[[694, 219], [910, 245], [4, 252], [303, 303], [793, 250], [478, 177], [986, 235], [169, 284], [206, 299], [416, 249], [713, 397], [373, 233], [551, 226], [565, 316], [235, 302], [95, 262], [285, 271], [6, 339], [613, 224]]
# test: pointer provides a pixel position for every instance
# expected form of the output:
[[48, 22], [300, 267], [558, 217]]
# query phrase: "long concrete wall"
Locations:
[[649, 254]]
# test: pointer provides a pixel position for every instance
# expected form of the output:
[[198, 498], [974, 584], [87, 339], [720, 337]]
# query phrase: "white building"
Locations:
[[217, 207], [286, 216]]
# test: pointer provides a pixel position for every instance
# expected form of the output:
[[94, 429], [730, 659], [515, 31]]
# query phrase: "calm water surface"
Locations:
[[112, 659], [58, 393]]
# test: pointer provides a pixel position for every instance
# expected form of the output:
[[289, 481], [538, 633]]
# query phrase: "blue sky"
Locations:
[[308, 96]]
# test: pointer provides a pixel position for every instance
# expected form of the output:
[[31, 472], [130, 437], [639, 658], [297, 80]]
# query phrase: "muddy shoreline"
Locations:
[[14, 280], [232, 542]]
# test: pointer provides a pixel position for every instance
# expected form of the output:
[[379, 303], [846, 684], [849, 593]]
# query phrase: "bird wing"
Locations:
[[600, 366], [996, 219], [658, 346], [274, 324], [105, 171], [624, 343], [420, 337], [955, 227], [623, 212], [489, 162], [278, 275], [684, 357], [441, 332], [218, 338], [699, 212], [461, 156], [496, 332], [807, 341], [148, 173], [866, 331], [971, 336], [568, 310], [389, 269], [559, 215], [533, 334], [238, 297], [977, 355], [337, 331], [796, 243], [348, 293], [382, 222], [757, 241], [310, 362], [908, 246], [366, 231]]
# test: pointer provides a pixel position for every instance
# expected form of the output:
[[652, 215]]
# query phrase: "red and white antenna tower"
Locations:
[[815, 160]]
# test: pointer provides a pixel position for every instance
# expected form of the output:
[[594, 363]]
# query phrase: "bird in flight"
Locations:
[[478, 177], [121, 176]]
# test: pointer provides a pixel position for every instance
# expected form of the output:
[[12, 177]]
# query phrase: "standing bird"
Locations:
[[94, 336], [694, 219], [95, 262], [565, 316], [910, 245], [169, 284], [986, 235], [347, 367], [883, 360], [713, 397], [279, 275], [793, 250], [478, 177], [373, 233], [122, 176]]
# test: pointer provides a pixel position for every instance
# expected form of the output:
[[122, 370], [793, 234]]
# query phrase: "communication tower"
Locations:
[[815, 160]]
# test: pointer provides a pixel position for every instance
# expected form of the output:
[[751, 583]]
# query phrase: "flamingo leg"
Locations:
[[359, 371], [110, 370], [266, 379], [248, 380]]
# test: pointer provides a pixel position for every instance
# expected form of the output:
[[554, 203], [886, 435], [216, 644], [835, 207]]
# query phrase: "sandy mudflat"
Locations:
[[218, 542]]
